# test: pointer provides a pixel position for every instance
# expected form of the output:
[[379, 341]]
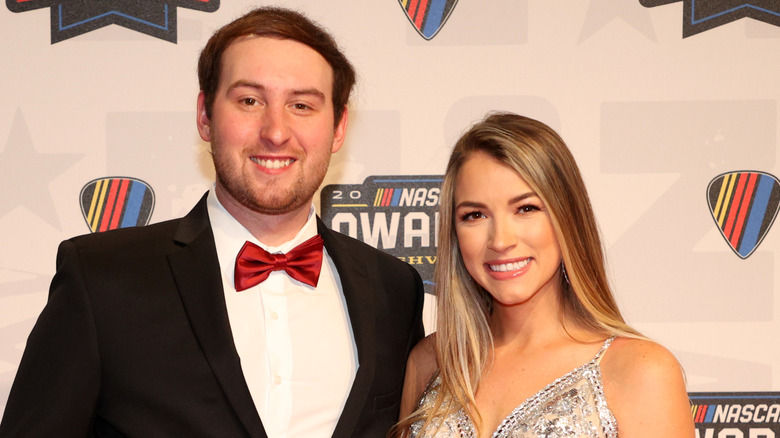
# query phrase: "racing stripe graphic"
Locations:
[[428, 16], [115, 202], [744, 205]]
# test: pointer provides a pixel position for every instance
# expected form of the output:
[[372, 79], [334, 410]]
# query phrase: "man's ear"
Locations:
[[202, 119], [340, 133]]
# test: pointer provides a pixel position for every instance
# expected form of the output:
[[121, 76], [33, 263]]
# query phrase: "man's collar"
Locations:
[[221, 219]]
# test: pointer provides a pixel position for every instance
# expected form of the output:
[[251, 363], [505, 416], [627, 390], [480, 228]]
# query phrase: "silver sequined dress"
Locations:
[[571, 406]]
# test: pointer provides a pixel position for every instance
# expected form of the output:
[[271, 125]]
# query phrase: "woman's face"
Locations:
[[504, 231]]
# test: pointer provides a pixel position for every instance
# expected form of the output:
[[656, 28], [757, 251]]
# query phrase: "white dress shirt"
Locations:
[[295, 341]]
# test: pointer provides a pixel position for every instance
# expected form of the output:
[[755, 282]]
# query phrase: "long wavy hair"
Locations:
[[463, 337]]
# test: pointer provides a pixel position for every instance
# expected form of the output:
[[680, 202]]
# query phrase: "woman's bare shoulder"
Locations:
[[422, 360], [631, 359], [643, 376], [420, 367]]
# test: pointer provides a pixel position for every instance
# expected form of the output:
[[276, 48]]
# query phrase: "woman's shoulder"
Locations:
[[642, 376], [633, 361], [420, 368], [422, 359]]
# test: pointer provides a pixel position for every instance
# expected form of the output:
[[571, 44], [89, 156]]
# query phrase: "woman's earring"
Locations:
[[563, 271]]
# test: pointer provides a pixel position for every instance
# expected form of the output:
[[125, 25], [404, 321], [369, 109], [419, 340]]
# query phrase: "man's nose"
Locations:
[[275, 129]]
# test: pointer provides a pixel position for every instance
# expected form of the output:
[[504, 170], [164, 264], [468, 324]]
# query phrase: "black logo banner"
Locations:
[[156, 18], [703, 15]]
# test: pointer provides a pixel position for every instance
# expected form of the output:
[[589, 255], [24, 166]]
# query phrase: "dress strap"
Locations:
[[603, 349]]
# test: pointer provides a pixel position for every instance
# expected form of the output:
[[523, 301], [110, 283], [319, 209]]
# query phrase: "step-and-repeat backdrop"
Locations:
[[669, 106]]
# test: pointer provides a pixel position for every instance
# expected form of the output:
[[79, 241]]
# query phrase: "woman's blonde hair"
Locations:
[[463, 337]]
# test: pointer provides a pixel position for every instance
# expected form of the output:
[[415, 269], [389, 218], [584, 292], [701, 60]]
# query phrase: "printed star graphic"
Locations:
[[602, 12], [152, 17], [703, 15], [25, 174]]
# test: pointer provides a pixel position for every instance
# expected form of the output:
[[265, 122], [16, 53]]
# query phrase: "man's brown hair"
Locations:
[[281, 23]]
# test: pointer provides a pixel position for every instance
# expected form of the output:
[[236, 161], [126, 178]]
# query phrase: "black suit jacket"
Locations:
[[135, 340]]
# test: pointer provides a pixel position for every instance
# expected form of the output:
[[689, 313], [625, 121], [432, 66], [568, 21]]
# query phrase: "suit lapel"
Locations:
[[198, 278], [356, 283], [197, 274]]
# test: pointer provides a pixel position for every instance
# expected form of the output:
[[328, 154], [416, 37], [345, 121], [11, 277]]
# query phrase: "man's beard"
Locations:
[[271, 200]]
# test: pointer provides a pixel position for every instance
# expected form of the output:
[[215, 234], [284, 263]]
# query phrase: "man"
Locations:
[[164, 331]]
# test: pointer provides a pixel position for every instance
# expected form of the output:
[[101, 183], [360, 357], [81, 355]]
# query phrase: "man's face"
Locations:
[[272, 125]]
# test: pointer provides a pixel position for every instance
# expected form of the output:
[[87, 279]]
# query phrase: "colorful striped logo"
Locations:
[[703, 413], [387, 197], [744, 206], [428, 16], [115, 202]]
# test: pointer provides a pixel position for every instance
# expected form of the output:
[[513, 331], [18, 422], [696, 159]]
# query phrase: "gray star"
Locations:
[[601, 12], [25, 174]]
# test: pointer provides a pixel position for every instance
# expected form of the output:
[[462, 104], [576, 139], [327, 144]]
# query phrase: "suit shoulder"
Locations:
[[189, 227], [125, 238]]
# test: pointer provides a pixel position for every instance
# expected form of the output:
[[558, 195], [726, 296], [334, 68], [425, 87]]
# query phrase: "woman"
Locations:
[[529, 340]]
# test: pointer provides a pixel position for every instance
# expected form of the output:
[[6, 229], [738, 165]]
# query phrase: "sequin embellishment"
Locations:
[[571, 406]]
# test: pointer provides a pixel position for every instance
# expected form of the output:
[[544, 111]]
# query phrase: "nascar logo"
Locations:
[[736, 415], [397, 214], [744, 206], [111, 203], [428, 16], [407, 197]]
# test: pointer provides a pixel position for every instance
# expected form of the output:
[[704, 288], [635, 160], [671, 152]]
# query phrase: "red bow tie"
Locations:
[[254, 264]]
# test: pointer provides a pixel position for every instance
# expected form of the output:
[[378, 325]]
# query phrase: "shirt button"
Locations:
[[274, 316], [278, 380]]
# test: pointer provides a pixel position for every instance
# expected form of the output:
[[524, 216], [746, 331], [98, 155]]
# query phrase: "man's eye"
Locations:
[[301, 106], [249, 101]]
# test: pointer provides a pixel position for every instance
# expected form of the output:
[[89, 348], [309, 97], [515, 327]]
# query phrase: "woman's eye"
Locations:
[[248, 101], [472, 215], [528, 208]]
